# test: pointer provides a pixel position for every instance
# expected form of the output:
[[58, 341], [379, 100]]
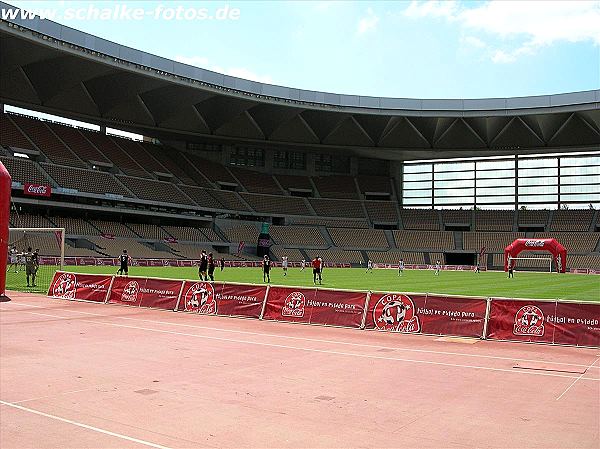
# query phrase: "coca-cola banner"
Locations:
[[37, 189], [222, 299], [87, 287], [314, 306], [545, 321], [145, 292], [440, 315]]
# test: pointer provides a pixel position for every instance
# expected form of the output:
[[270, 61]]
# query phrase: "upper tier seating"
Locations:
[[24, 220], [332, 222], [494, 220], [442, 240], [256, 182], [149, 189], [574, 242], [456, 216], [148, 231], [276, 204], [365, 238], [90, 181], [138, 153], [337, 208], [114, 228], [336, 186], [23, 170], [185, 233], [213, 171], [203, 197], [229, 200], [75, 139], [116, 154], [47, 141], [374, 184], [493, 241], [535, 217], [424, 219], [382, 211], [572, 220], [11, 136], [294, 182], [335, 255], [394, 256], [297, 236], [74, 226], [166, 156], [242, 233]]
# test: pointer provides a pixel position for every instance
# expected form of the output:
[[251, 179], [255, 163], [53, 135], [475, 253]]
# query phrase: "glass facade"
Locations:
[[532, 181]]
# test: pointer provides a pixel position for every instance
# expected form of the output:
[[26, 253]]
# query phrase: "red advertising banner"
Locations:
[[87, 287], [314, 306], [439, 315], [145, 292], [37, 189], [545, 321], [222, 299]]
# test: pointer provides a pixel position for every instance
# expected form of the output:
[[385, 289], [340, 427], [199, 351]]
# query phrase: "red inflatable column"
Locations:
[[5, 184]]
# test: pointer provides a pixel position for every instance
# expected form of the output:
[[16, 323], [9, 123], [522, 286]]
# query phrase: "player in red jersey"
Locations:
[[317, 265]]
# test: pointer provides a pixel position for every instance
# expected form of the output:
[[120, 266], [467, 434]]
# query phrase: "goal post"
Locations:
[[547, 258], [34, 254]]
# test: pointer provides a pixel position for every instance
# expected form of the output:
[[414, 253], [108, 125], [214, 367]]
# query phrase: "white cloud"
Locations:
[[368, 22], [472, 41], [239, 72], [534, 23]]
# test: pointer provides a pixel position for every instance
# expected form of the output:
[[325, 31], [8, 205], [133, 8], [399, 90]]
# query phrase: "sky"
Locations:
[[411, 49]]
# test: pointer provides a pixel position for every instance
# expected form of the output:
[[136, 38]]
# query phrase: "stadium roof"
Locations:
[[52, 68]]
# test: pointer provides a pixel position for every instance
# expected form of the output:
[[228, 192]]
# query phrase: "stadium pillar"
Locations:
[[5, 185]]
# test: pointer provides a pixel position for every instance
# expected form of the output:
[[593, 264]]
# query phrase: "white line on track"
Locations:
[[321, 351], [575, 381], [316, 340], [52, 396], [84, 426]]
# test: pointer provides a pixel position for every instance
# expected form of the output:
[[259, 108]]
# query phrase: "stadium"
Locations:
[[452, 189]]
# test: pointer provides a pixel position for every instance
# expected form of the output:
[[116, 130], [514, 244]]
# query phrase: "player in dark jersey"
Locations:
[[211, 267], [203, 267], [266, 269], [222, 263], [124, 260], [30, 266]]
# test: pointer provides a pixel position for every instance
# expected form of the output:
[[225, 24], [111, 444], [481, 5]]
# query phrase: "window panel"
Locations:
[[416, 185], [416, 201], [417, 168], [533, 163], [580, 170], [454, 192], [495, 165], [455, 166], [538, 172], [495, 174], [579, 161], [417, 193], [587, 197], [496, 199], [495, 191], [459, 201], [582, 205], [538, 198], [538, 190], [455, 175], [451, 184], [495, 182], [417, 177], [537, 181], [580, 189]]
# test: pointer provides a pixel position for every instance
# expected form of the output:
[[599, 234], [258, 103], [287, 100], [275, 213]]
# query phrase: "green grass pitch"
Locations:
[[467, 283]]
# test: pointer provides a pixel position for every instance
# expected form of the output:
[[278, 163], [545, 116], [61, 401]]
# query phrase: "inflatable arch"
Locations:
[[559, 253]]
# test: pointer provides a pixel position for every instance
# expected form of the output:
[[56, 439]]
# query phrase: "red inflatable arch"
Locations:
[[5, 185], [559, 253]]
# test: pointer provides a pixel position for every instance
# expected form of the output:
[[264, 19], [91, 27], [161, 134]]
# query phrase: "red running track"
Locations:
[[78, 375]]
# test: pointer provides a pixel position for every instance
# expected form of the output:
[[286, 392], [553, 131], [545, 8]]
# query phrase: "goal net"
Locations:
[[535, 263], [34, 254]]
